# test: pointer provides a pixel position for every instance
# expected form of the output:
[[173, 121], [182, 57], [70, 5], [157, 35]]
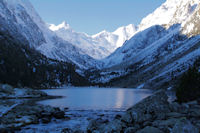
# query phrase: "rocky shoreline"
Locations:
[[18, 108], [153, 115]]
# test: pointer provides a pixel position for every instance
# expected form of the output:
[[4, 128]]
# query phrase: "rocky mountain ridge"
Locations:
[[165, 45], [99, 45]]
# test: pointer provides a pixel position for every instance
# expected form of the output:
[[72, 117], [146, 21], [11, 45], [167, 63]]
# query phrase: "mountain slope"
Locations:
[[22, 63], [23, 66], [19, 17], [97, 46], [166, 43]]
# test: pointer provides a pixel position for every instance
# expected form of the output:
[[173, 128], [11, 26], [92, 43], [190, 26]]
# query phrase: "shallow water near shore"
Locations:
[[93, 98], [85, 104]]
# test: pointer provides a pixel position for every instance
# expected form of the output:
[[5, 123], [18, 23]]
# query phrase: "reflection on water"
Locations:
[[119, 98], [96, 98]]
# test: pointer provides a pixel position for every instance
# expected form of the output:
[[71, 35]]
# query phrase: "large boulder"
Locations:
[[152, 107], [166, 125], [27, 120], [131, 130], [100, 125], [184, 126], [149, 129]]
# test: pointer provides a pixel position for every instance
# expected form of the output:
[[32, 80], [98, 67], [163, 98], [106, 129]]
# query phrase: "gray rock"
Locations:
[[5, 88], [127, 118], [151, 107], [118, 116], [130, 130], [46, 120], [175, 107], [113, 126], [160, 116], [59, 114], [34, 93], [166, 123], [45, 114], [78, 131], [184, 126], [192, 103], [27, 120], [185, 105], [174, 115], [149, 130], [194, 112], [156, 103], [147, 123], [140, 117], [95, 124]]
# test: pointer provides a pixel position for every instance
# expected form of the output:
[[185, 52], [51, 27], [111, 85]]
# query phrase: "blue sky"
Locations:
[[93, 16]]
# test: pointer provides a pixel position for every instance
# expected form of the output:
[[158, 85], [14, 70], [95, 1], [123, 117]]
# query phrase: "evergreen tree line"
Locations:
[[22, 66], [188, 88]]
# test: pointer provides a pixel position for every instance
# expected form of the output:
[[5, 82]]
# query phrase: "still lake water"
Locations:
[[91, 98]]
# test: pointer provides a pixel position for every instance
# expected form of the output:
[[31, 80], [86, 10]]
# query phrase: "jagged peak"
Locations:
[[131, 28], [63, 25], [169, 13], [104, 32]]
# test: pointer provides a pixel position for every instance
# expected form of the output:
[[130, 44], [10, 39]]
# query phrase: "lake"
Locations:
[[85, 104], [93, 98]]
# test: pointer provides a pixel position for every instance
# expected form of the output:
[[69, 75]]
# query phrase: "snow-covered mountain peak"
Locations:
[[124, 33], [129, 28], [103, 33], [64, 25], [119, 36], [169, 13], [19, 7], [191, 26], [161, 15], [99, 45], [184, 10]]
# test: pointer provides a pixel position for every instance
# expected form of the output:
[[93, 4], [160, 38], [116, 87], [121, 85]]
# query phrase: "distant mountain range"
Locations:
[[97, 46], [151, 55]]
